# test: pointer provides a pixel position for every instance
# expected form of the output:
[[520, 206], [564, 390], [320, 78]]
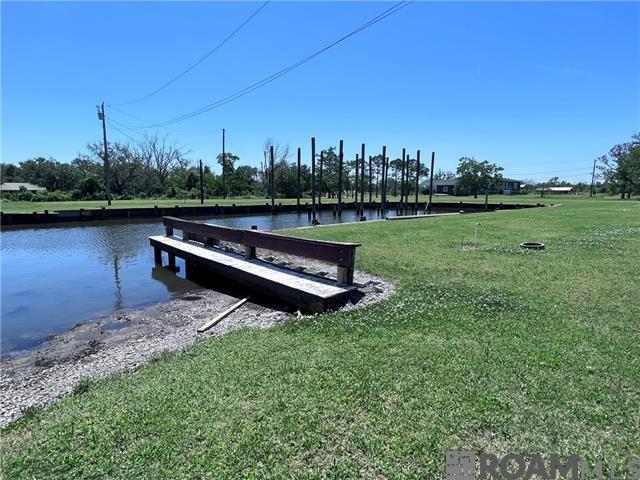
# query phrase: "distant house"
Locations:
[[448, 187], [16, 187], [556, 190]]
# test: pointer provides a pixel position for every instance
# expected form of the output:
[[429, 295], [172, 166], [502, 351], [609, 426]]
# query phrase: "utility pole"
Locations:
[[593, 177], [107, 186], [201, 185], [224, 163], [433, 159]]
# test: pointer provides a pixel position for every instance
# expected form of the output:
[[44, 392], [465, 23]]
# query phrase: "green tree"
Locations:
[[621, 168], [476, 177]]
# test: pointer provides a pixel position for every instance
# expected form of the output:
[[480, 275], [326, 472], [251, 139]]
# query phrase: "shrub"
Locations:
[[25, 196]]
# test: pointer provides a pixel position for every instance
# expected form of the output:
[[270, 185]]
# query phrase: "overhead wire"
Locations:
[[200, 60], [261, 83]]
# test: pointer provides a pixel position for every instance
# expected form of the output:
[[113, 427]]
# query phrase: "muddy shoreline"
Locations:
[[126, 339]]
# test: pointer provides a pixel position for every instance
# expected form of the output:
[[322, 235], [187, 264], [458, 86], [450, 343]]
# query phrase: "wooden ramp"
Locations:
[[304, 290]]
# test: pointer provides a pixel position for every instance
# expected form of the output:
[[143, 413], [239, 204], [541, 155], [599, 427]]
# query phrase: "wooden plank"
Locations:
[[232, 308], [333, 252]]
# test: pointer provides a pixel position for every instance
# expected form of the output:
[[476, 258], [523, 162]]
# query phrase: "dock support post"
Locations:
[[249, 252], [157, 255], [345, 276], [172, 262]]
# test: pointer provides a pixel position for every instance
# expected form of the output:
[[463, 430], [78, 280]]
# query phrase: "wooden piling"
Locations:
[[402, 179], [370, 179], [313, 177], [433, 158], [383, 186], [299, 185], [415, 205], [362, 152], [272, 177], [355, 187], [320, 178], [340, 161]]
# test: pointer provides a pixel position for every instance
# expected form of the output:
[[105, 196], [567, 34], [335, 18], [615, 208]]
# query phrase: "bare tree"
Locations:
[[280, 154], [159, 158]]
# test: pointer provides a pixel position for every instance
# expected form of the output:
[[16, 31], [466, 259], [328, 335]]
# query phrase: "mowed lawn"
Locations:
[[493, 349]]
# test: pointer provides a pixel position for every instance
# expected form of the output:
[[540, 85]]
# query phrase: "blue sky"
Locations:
[[539, 88]]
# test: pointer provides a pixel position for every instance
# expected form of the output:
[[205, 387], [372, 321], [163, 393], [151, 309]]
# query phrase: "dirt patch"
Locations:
[[124, 340]]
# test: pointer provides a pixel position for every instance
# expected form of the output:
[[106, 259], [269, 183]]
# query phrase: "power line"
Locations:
[[133, 127], [284, 71], [111, 124], [202, 59]]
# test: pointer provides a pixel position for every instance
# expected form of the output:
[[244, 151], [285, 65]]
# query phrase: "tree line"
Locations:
[[158, 168]]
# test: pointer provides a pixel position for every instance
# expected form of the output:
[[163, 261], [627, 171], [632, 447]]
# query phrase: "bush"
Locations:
[[90, 186], [170, 192], [58, 196], [76, 194], [25, 196]]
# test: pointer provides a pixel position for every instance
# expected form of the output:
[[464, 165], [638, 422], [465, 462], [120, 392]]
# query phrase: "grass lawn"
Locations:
[[15, 206], [494, 349]]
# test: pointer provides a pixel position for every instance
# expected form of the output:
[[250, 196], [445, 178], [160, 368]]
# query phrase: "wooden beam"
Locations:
[[333, 252], [235, 306]]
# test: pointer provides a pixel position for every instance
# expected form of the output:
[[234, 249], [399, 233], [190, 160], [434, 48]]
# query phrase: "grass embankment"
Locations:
[[16, 206], [494, 349]]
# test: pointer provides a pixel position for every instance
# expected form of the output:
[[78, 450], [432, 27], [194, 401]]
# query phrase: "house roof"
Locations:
[[15, 187]]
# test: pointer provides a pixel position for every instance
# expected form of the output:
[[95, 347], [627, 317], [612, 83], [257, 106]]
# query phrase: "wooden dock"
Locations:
[[310, 292]]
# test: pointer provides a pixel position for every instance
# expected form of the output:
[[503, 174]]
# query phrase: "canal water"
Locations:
[[53, 278]]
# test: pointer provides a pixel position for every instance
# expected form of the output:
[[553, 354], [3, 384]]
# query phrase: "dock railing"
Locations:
[[341, 254]]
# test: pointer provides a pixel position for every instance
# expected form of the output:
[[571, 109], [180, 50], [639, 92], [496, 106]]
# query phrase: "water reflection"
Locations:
[[53, 278]]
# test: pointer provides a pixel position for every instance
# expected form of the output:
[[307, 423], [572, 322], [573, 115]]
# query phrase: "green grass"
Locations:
[[16, 206], [494, 349]]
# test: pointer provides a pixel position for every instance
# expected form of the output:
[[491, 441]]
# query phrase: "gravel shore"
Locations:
[[126, 339]]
